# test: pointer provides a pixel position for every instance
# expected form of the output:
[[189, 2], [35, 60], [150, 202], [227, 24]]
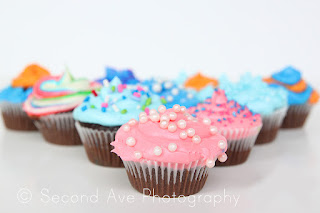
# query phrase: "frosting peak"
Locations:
[[30, 75], [199, 81]]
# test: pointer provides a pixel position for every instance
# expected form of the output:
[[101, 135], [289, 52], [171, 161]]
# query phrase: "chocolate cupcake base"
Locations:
[[59, 129], [271, 125], [296, 116], [235, 158], [96, 140], [155, 179], [15, 118]]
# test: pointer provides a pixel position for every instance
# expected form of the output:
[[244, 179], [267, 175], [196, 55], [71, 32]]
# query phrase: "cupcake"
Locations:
[[235, 122], [168, 154], [199, 81], [12, 97], [51, 104], [101, 114], [270, 103], [301, 96], [126, 76]]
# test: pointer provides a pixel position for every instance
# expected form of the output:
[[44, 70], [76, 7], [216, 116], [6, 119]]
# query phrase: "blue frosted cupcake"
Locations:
[[270, 103], [126, 76], [301, 96], [102, 113]]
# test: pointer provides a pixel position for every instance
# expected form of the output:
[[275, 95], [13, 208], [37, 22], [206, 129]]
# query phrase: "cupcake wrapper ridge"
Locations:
[[296, 116]]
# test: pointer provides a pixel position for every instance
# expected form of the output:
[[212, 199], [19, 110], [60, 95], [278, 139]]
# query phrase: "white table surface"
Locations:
[[281, 176]]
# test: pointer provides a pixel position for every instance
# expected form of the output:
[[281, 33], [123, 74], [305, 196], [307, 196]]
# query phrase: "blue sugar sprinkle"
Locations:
[[84, 108], [244, 116], [124, 97], [103, 109], [86, 99], [218, 105], [219, 120], [234, 114], [194, 115], [238, 111], [254, 120], [203, 109], [196, 110], [224, 119]]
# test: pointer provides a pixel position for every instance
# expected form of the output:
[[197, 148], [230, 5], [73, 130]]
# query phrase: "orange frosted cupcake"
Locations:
[[199, 81], [12, 97]]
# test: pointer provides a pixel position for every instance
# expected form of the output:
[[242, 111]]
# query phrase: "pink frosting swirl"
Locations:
[[227, 116], [170, 136]]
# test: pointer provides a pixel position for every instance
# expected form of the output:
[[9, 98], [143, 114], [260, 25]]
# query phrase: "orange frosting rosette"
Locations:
[[30, 75], [200, 81]]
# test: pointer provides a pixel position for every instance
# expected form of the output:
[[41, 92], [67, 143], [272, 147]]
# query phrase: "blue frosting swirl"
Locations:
[[15, 94], [288, 75], [115, 104], [254, 93], [126, 76]]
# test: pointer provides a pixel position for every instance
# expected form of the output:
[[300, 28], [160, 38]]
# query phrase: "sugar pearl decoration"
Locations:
[[191, 132], [189, 118], [213, 130], [157, 150], [222, 144], [143, 119], [156, 87], [206, 121], [164, 124], [183, 135], [162, 109], [183, 109], [142, 114], [190, 95], [153, 111], [223, 157], [174, 91], [132, 122], [137, 154], [164, 118], [172, 147], [126, 128], [155, 117], [172, 116], [210, 163], [131, 141], [196, 139], [182, 124], [169, 98], [168, 84], [176, 108], [172, 127]]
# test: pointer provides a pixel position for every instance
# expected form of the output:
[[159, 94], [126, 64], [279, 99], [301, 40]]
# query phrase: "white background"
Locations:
[[161, 38]]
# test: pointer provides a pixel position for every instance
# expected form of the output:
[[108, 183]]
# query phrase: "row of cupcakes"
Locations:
[[203, 122]]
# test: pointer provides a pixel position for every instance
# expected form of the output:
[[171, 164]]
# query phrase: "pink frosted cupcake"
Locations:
[[235, 122], [168, 153]]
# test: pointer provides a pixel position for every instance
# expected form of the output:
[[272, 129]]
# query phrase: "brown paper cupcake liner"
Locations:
[[173, 180], [97, 141], [59, 129], [271, 125], [15, 118], [296, 116]]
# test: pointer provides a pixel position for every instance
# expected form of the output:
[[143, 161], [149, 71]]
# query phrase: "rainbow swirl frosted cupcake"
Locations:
[[101, 115], [168, 153], [235, 122], [12, 97], [301, 96], [270, 103], [51, 104]]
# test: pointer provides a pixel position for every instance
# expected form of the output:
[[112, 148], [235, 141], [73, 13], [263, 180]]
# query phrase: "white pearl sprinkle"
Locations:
[[143, 119], [157, 88], [172, 127], [172, 147], [169, 98], [164, 124], [196, 139], [157, 150], [105, 83], [222, 144], [162, 109], [168, 84], [223, 157], [183, 135], [183, 109], [182, 124], [131, 141], [210, 163], [164, 118], [132, 122], [175, 91], [190, 95], [176, 108], [213, 130], [191, 132], [142, 114], [155, 117], [137, 154], [206, 121], [153, 111], [126, 128], [172, 116]]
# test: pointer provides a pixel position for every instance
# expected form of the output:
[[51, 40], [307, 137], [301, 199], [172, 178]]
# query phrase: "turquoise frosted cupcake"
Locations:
[[270, 103], [102, 113]]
